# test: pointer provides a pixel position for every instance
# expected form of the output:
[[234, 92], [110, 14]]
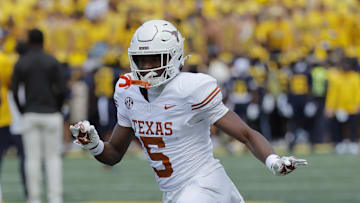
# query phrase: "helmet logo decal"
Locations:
[[144, 48], [175, 33]]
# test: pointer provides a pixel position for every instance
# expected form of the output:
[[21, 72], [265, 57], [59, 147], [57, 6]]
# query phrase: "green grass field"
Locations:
[[328, 179]]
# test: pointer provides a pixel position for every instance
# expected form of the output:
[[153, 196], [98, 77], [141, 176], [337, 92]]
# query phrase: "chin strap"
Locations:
[[129, 81]]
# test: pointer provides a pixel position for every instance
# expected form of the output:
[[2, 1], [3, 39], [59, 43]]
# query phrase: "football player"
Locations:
[[172, 121]]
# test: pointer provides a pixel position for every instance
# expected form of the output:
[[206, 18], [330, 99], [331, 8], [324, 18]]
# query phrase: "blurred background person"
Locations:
[[9, 137], [342, 106], [242, 87], [44, 84], [319, 86], [105, 80], [262, 98], [299, 98]]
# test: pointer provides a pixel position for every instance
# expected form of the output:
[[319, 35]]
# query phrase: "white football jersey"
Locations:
[[174, 128]]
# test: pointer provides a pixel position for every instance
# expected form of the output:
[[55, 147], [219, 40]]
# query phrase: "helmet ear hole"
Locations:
[[166, 58], [167, 76]]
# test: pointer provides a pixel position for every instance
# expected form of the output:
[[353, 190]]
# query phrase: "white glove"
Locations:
[[342, 116], [284, 165], [310, 109], [87, 137], [284, 106], [268, 103], [253, 111]]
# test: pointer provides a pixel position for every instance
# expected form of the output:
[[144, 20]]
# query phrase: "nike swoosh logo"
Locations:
[[169, 106]]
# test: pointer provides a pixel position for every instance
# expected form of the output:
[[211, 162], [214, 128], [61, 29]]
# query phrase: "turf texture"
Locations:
[[328, 178]]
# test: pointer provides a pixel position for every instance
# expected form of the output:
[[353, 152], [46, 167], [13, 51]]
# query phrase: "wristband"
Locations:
[[270, 160], [98, 149]]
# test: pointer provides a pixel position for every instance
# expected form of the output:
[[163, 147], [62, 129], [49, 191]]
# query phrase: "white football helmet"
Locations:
[[157, 37]]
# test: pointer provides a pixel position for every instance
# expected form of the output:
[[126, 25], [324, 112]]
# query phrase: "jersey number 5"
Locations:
[[158, 141]]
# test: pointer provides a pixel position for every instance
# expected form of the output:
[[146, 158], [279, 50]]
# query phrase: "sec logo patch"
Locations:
[[129, 102]]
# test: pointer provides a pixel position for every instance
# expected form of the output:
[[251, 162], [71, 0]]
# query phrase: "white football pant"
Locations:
[[215, 187], [0, 195], [43, 139]]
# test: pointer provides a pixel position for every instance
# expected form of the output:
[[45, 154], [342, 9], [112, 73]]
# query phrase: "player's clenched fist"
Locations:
[[87, 137], [283, 165]]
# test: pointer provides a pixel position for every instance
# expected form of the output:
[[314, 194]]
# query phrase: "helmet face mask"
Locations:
[[156, 52], [151, 67]]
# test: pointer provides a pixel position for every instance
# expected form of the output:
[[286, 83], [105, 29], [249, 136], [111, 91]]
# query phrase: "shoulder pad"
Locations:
[[201, 89]]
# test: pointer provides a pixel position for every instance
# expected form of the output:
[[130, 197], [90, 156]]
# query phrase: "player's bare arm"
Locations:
[[110, 152], [232, 124], [117, 146]]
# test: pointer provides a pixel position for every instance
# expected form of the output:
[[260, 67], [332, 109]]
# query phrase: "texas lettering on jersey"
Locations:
[[152, 127], [174, 128]]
